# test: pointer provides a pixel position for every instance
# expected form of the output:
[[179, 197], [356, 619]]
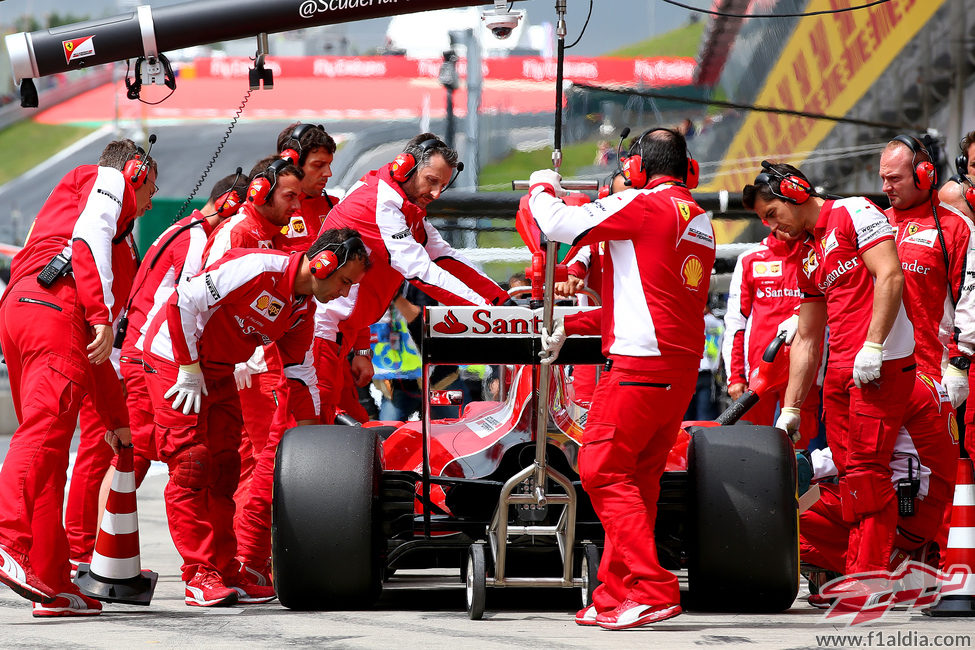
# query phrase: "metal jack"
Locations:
[[539, 472]]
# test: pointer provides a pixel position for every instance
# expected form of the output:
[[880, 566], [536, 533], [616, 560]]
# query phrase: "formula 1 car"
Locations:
[[352, 504]]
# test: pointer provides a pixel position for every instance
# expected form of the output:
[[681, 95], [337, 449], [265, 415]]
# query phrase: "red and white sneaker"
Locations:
[[251, 593], [586, 616], [15, 572], [633, 614], [206, 589], [68, 604], [255, 574]]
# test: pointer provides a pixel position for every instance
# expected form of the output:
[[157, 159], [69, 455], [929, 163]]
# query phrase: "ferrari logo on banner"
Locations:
[[78, 48]]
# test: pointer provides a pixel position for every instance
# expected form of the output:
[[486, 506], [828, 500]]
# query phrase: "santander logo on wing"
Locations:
[[450, 325]]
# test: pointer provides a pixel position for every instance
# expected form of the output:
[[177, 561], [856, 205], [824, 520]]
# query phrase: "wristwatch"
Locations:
[[367, 352], [962, 363]]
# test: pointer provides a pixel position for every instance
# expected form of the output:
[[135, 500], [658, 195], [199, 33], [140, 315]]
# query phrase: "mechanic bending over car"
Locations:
[[388, 206], [851, 279], [56, 333], [659, 251], [212, 322]]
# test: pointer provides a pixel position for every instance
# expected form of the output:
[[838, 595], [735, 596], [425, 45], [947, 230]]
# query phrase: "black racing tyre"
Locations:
[[590, 572], [325, 539], [476, 582], [743, 552]]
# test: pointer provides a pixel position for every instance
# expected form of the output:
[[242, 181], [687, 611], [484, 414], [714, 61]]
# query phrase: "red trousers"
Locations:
[[861, 427], [201, 450], [93, 459], [335, 384], [43, 335], [259, 406], [141, 416], [631, 427], [928, 424]]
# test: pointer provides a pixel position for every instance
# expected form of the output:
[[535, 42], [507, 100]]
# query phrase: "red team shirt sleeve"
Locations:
[[450, 279]]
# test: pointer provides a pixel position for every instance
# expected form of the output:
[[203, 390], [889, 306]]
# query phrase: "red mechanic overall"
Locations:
[[763, 293], [861, 423], [244, 300], [44, 332], [657, 267]]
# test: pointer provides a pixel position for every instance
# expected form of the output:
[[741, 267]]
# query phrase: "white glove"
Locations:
[[789, 422], [955, 382], [188, 388], [866, 366], [552, 343], [549, 179], [242, 375], [789, 326]]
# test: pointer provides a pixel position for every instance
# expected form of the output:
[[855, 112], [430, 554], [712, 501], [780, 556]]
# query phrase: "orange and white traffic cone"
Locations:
[[960, 554], [115, 573]]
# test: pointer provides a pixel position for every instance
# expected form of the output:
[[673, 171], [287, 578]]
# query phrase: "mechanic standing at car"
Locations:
[[56, 336], [213, 321], [764, 293], [656, 274], [850, 279], [933, 247]]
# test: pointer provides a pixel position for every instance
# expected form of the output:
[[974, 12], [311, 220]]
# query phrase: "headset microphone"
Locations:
[[136, 169], [619, 147], [460, 168], [229, 202]]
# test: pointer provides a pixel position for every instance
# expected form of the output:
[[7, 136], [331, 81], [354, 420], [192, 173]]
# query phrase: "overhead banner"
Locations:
[[826, 67], [656, 72]]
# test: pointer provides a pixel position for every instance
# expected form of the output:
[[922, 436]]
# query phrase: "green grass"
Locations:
[[26, 144], [683, 41]]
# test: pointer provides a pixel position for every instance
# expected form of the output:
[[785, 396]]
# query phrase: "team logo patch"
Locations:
[[771, 269], [693, 272], [78, 48], [810, 264], [920, 237], [298, 225], [829, 242], [684, 208], [267, 305]]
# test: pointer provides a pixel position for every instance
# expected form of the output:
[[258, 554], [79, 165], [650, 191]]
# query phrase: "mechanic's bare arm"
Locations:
[[885, 267], [805, 353]]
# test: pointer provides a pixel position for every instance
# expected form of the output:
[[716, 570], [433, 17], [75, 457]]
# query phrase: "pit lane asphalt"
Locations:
[[411, 617]]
